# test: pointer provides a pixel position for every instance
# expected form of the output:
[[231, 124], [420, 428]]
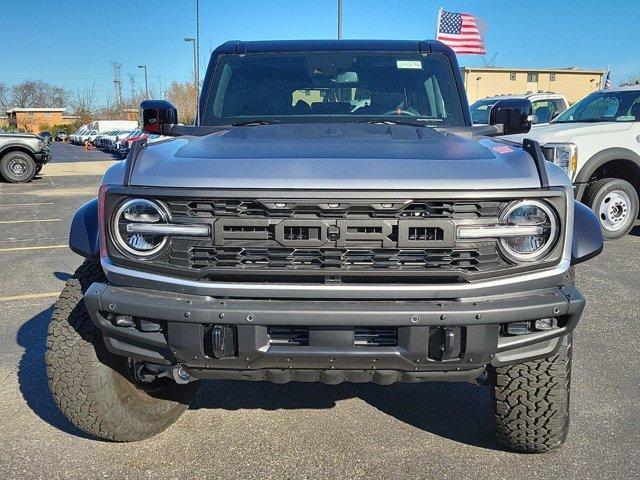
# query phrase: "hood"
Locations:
[[331, 156], [19, 135], [568, 132]]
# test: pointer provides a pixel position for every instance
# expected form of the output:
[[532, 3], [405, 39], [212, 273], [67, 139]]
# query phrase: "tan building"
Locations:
[[573, 83], [36, 119]]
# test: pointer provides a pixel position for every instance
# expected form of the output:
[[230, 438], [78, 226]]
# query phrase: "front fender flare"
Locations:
[[83, 237], [587, 234]]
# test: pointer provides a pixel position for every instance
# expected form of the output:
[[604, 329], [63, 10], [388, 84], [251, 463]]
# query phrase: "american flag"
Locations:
[[460, 32], [607, 81]]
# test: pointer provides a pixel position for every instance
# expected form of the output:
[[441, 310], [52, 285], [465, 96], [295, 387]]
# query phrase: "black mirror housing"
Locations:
[[158, 116], [514, 115], [587, 234]]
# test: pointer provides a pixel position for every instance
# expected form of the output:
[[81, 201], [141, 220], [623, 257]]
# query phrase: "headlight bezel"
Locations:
[[123, 247], [549, 246]]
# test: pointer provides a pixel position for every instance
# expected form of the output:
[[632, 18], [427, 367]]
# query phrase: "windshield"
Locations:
[[333, 87], [480, 111], [604, 106]]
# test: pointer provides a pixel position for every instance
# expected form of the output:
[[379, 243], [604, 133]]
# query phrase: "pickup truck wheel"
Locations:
[[615, 202], [532, 402], [95, 389], [16, 167]]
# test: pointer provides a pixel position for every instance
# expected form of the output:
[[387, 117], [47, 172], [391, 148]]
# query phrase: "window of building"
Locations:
[[552, 77], [47, 114], [512, 76], [532, 77]]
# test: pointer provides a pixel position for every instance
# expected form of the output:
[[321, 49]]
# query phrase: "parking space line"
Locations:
[[25, 204], [44, 247], [29, 296], [32, 221]]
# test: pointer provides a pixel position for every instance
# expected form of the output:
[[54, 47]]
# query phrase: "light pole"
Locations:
[[146, 84], [339, 19]]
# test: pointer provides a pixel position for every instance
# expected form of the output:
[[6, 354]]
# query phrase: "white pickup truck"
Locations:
[[597, 142]]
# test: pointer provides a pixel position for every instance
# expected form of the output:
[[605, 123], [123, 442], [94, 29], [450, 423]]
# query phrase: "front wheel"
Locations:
[[95, 389], [532, 402], [17, 167], [615, 202]]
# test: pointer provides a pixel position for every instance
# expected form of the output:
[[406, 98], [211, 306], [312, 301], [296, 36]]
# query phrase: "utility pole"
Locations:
[[197, 72], [339, 19], [195, 61], [117, 81], [146, 84]]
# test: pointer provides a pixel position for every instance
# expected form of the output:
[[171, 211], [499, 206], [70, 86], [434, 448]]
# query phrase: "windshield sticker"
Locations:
[[502, 149], [410, 64]]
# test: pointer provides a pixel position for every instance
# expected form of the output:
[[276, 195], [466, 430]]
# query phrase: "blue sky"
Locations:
[[71, 43]]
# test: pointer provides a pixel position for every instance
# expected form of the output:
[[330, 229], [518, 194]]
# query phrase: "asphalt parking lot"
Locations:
[[262, 430]]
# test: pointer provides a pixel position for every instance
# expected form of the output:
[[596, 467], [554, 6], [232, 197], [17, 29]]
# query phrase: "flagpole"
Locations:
[[438, 22]]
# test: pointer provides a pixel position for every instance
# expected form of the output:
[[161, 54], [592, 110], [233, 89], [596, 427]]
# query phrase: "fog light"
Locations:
[[124, 321], [518, 328], [544, 324]]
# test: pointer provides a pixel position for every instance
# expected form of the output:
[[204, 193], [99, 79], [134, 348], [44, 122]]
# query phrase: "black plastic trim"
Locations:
[[83, 236], [587, 234]]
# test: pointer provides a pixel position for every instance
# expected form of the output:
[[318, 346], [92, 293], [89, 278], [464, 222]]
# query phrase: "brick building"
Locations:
[[35, 119], [573, 83]]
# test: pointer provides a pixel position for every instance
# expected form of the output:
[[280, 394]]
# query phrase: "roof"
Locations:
[[274, 46], [534, 70], [14, 110]]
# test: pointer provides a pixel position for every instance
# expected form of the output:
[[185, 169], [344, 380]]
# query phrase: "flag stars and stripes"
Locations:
[[460, 32]]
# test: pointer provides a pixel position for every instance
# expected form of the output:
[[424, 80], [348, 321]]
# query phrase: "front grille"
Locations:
[[291, 336], [362, 336], [320, 241]]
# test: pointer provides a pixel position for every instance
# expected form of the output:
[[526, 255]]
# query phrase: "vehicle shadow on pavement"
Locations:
[[456, 411], [32, 374]]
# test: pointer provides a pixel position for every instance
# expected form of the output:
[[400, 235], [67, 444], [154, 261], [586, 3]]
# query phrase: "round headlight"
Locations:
[[135, 212], [530, 247]]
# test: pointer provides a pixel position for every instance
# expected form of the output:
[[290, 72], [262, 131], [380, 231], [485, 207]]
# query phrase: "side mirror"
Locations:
[[514, 115], [158, 116], [555, 114]]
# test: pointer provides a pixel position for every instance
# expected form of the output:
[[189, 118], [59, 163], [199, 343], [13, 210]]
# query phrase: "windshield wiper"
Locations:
[[589, 120], [393, 122], [251, 123]]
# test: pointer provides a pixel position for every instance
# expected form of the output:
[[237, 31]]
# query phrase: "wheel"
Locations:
[[17, 167], [532, 402], [615, 202], [95, 389]]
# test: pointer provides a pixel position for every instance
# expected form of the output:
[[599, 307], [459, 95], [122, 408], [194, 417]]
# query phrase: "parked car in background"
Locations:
[[61, 136], [545, 105], [75, 137], [22, 156], [597, 142], [87, 136], [112, 125]]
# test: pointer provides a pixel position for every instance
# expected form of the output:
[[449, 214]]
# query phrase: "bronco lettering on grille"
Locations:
[[374, 233]]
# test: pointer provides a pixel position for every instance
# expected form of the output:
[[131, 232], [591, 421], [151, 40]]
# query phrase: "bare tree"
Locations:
[[84, 103], [4, 97], [184, 97]]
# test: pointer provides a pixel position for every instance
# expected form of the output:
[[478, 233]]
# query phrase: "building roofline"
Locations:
[[14, 110], [535, 70]]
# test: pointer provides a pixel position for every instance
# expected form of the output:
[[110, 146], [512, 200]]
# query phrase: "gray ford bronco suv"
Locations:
[[333, 216]]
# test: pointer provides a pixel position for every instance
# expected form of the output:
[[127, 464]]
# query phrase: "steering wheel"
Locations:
[[401, 111]]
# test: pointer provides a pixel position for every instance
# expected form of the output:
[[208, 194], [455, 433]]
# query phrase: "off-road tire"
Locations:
[[93, 387], [25, 160], [532, 402], [595, 195]]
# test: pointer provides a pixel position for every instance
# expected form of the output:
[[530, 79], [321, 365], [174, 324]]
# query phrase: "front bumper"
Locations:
[[474, 329]]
